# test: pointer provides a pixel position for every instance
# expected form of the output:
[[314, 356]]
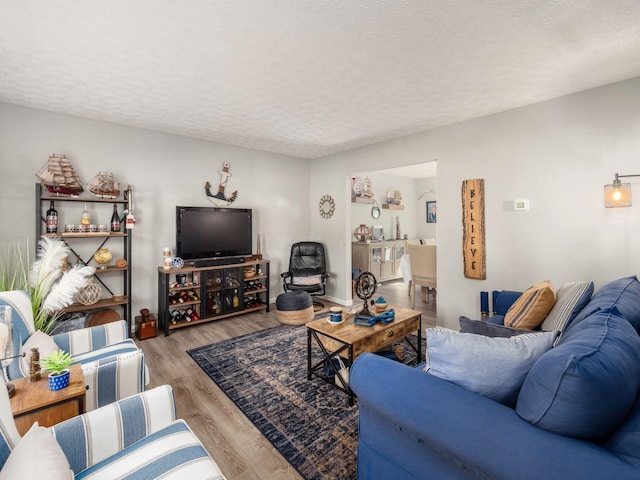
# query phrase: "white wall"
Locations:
[[558, 154], [164, 171]]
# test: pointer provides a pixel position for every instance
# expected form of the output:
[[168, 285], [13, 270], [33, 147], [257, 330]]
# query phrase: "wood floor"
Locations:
[[239, 449]]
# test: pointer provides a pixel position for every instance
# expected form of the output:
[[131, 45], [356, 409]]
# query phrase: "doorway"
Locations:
[[416, 186]]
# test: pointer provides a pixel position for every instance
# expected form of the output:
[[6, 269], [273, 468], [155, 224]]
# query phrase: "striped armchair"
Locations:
[[112, 365], [135, 438]]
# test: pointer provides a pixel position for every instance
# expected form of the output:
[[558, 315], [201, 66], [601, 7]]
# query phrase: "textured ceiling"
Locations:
[[308, 78]]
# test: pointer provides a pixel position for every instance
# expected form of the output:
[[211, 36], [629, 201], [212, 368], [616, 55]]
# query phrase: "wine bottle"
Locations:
[[52, 219], [236, 300], [115, 220], [84, 217]]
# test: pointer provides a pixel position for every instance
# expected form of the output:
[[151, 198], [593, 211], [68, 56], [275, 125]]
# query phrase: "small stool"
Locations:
[[294, 308]]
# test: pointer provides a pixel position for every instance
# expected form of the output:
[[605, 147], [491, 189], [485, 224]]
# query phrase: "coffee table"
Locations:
[[34, 402], [350, 340]]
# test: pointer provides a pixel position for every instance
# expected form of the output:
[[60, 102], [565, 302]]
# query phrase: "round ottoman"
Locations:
[[294, 308]]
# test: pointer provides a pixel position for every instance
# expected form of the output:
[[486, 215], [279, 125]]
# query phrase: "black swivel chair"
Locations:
[[307, 270]]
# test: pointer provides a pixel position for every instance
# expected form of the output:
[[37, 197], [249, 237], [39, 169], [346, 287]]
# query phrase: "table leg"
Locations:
[[308, 354]]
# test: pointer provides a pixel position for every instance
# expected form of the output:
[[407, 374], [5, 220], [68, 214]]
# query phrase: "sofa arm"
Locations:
[[100, 434], [85, 340], [415, 425]]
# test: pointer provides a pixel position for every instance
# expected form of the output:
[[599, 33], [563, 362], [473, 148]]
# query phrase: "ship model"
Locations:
[[104, 185], [367, 188], [356, 187], [58, 176]]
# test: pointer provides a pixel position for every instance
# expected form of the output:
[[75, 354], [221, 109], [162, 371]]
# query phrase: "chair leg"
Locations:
[[425, 293], [412, 294], [409, 290]]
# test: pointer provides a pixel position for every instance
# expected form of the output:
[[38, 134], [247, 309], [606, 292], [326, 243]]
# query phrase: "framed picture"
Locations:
[[431, 212]]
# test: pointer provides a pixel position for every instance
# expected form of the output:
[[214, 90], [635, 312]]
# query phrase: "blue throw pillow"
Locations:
[[624, 293], [493, 367], [586, 386]]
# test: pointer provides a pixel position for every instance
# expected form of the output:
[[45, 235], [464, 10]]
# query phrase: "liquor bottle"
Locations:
[[115, 220], [236, 300], [52, 219], [84, 218]]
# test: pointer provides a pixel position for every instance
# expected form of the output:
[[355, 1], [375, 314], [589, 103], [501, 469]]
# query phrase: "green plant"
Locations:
[[50, 285], [56, 362], [14, 270]]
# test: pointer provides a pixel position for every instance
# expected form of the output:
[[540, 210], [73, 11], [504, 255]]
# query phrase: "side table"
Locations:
[[34, 402]]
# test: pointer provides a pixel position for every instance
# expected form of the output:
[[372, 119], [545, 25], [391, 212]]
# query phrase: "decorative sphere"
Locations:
[[177, 263], [103, 256]]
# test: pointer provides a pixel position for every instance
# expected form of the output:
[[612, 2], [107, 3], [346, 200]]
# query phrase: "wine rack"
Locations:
[[211, 293]]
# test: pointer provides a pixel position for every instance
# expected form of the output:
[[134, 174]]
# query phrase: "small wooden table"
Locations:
[[34, 402], [350, 340]]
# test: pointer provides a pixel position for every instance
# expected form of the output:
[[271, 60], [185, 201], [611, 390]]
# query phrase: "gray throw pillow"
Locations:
[[488, 329]]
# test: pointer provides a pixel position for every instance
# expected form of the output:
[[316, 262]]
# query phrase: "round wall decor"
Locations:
[[326, 206]]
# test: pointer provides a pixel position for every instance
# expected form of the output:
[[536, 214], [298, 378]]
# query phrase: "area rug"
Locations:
[[308, 422]]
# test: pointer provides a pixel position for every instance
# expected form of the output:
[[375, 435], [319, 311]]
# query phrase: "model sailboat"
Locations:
[[58, 176], [104, 185]]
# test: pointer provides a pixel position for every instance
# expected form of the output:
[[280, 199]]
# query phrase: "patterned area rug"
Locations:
[[309, 422]]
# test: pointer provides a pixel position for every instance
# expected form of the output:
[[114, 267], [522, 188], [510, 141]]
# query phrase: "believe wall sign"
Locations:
[[473, 229]]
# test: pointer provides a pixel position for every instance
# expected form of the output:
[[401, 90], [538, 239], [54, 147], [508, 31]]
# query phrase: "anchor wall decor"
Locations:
[[220, 198]]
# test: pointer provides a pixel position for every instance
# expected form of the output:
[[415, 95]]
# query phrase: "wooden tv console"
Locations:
[[212, 293]]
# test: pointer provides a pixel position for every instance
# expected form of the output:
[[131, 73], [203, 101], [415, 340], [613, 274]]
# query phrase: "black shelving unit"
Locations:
[[101, 239]]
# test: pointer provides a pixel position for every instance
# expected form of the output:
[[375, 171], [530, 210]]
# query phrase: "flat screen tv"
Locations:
[[209, 233]]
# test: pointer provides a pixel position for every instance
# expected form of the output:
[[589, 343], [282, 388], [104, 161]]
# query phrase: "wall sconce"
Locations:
[[618, 194]]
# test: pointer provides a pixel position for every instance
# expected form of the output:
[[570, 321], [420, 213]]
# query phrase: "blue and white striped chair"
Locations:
[[135, 438], [112, 364]]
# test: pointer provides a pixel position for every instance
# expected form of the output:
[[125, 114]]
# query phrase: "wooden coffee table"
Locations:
[[34, 402], [350, 340]]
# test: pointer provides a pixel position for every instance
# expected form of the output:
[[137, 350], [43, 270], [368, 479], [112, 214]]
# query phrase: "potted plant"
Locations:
[[58, 365]]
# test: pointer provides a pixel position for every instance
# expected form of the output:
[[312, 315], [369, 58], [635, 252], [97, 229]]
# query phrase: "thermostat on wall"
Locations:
[[521, 204]]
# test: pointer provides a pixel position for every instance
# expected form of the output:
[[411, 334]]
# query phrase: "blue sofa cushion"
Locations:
[[625, 442], [496, 320], [488, 329], [623, 293], [503, 299], [587, 384], [493, 367]]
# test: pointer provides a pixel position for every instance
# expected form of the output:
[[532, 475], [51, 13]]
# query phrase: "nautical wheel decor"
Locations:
[[362, 233], [365, 287], [326, 206], [221, 198]]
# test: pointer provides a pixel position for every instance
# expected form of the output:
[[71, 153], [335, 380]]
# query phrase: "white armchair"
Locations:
[[112, 364], [138, 437]]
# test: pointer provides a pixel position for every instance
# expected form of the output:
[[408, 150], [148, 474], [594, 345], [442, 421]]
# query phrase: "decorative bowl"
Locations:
[[381, 307]]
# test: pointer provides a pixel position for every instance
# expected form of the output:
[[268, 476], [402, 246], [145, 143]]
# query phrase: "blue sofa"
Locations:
[[577, 414]]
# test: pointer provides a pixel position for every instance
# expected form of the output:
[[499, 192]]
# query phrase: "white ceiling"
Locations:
[[308, 78]]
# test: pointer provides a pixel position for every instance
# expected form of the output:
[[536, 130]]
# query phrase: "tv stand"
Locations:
[[212, 292]]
